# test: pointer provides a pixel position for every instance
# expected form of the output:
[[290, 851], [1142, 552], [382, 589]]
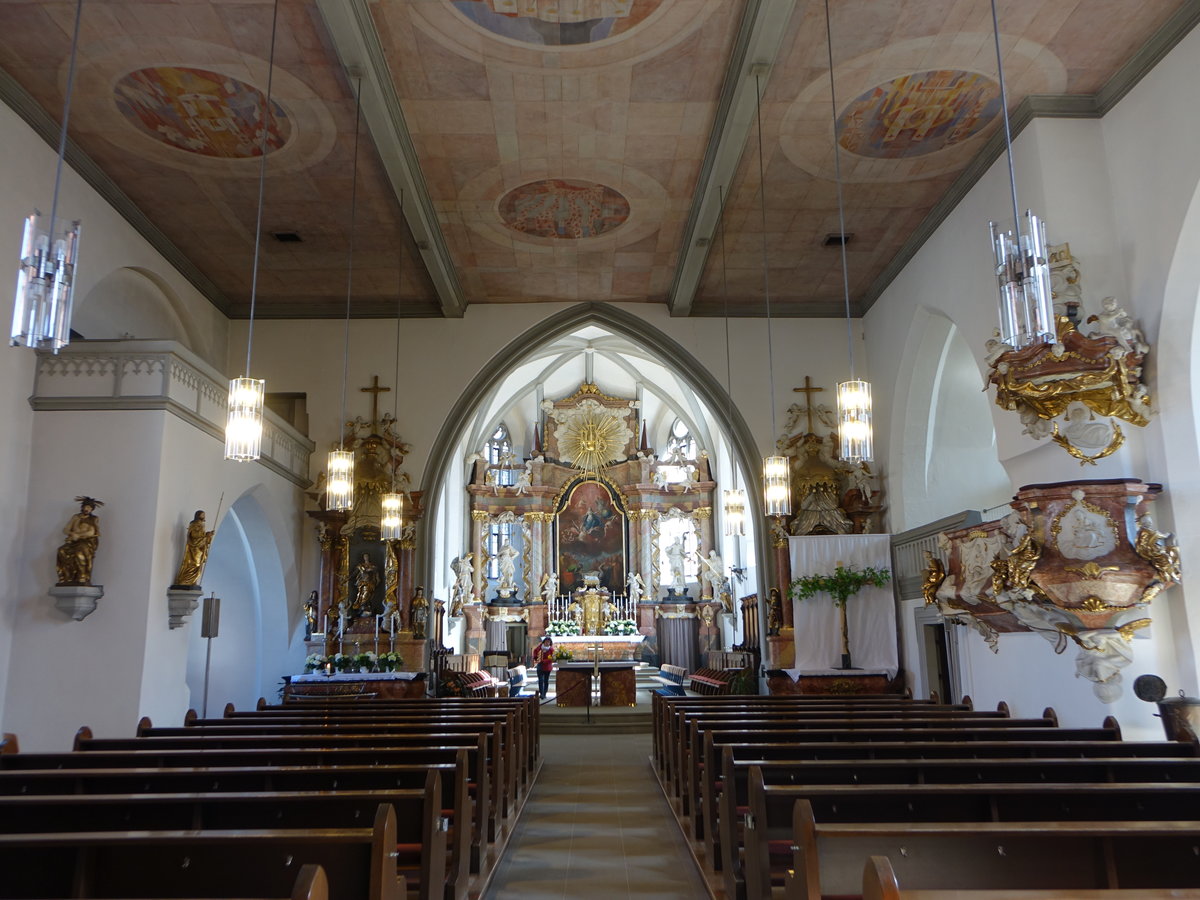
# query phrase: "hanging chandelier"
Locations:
[[46, 270], [339, 484], [855, 433], [244, 425], [777, 488], [391, 525], [1022, 263]]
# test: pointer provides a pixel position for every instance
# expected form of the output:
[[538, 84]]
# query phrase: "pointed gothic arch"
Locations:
[[660, 346]]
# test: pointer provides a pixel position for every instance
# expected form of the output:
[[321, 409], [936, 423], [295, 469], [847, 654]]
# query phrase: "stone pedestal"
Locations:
[[77, 600], [474, 638], [181, 603], [781, 650]]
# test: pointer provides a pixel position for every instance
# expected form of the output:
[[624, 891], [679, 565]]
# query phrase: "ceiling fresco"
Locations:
[[549, 149]]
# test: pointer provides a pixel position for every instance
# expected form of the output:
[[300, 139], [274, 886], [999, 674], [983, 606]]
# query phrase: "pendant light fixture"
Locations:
[[46, 272], [1022, 265], [391, 526], [244, 426], [734, 505], [339, 479], [777, 490], [855, 433]]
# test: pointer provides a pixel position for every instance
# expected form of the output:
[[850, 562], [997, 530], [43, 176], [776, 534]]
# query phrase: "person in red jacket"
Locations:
[[543, 661]]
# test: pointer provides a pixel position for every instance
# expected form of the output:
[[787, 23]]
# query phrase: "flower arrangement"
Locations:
[[841, 585], [390, 662], [620, 626], [563, 655], [365, 661], [343, 663], [314, 661], [563, 627]]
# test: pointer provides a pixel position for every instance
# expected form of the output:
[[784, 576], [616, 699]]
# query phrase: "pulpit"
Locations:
[[575, 683]]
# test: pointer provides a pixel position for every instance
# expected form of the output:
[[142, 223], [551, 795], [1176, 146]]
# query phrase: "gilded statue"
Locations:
[[195, 553], [1021, 561], [774, 612], [366, 579], [310, 616], [817, 485], [935, 574], [1159, 549], [418, 614], [78, 551]]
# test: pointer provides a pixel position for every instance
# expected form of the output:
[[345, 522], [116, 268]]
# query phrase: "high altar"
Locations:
[[586, 511]]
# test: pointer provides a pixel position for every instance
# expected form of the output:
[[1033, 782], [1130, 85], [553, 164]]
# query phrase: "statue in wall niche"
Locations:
[[195, 553], [507, 556], [675, 555], [418, 614], [78, 551]]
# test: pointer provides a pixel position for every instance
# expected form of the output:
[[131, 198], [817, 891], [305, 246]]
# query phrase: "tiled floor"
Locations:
[[596, 825]]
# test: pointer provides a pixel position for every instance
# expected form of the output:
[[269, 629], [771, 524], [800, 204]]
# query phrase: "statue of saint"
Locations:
[[310, 615], [549, 586], [935, 574], [712, 573], [78, 551], [195, 553], [366, 579], [418, 614], [637, 587], [507, 556], [675, 556], [774, 612]]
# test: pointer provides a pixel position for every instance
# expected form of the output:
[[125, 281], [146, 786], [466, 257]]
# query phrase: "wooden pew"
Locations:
[[494, 766], [827, 859], [732, 800], [152, 756], [420, 838], [506, 738], [239, 863], [454, 801], [880, 883], [900, 807]]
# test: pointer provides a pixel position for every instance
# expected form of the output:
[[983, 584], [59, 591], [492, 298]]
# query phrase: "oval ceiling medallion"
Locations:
[[199, 111], [918, 114], [557, 23], [563, 208]]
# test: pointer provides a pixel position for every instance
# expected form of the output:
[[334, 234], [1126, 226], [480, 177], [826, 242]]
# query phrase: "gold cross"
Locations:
[[375, 390], [808, 390]]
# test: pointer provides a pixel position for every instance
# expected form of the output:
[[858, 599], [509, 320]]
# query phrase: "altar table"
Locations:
[[618, 683], [385, 685]]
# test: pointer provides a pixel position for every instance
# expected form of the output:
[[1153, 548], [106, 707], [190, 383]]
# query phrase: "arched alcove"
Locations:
[[245, 570], [943, 454], [131, 303], [604, 345]]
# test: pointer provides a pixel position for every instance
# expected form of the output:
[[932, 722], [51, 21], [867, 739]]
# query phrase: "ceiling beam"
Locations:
[[360, 50], [758, 42]]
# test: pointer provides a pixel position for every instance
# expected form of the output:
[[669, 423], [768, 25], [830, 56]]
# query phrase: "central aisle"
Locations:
[[596, 825]]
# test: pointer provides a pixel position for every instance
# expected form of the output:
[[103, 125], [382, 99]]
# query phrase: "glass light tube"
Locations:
[[339, 480], [45, 286], [777, 491], [854, 421], [244, 426]]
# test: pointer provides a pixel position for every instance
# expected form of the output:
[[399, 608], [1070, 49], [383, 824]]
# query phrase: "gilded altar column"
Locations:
[[783, 566], [479, 519]]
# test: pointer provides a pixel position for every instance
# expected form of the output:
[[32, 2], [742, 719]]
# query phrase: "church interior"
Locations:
[[646, 325]]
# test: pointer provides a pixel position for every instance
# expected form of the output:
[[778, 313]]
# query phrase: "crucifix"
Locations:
[[375, 390], [808, 390]]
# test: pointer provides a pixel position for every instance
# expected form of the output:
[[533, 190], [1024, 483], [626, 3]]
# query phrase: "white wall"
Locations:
[[1119, 191]]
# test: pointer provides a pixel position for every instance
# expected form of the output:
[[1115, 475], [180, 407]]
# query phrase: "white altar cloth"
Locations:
[[870, 614]]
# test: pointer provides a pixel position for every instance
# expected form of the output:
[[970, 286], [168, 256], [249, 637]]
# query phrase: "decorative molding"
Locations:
[[158, 375]]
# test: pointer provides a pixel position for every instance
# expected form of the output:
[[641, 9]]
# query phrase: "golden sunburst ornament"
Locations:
[[592, 438]]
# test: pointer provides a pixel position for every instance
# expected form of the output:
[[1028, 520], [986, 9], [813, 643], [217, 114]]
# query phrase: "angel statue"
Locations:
[[712, 572], [549, 586], [636, 587], [463, 570], [1159, 549]]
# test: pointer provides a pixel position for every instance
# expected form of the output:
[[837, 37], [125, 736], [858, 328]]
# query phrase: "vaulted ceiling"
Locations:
[[547, 150]]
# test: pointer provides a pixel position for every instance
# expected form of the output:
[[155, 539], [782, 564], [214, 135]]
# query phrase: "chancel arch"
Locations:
[[588, 352]]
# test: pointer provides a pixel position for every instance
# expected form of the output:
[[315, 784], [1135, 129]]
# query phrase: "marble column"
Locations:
[[650, 552], [479, 521], [703, 518]]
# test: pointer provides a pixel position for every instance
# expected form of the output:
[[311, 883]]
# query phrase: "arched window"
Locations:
[[500, 459]]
